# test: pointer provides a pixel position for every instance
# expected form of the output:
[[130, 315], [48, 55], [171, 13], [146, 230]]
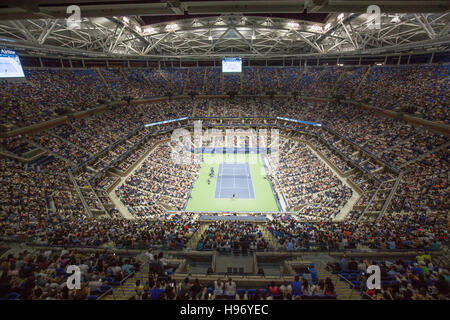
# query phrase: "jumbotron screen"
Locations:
[[10, 66], [232, 65]]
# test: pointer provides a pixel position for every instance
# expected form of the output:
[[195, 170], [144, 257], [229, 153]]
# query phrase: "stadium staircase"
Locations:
[[144, 75], [222, 82], [241, 83], [336, 83], [292, 148], [258, 77], [26, 157], [209, 109], [205, 79], [362, 81], [46, 151], [105, 212], [100, 74], [391, 195], [299, 77], [125, 291], [269, 237], [186, 80], [192, 243], [342, 287], [254, 109], [278, 85], [166, 79], [161, 113], [80, 194], [124, 76]]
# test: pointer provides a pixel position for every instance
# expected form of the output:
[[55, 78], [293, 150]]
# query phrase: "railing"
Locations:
[[83, 200], [324, 248], [390, 196], [369, 204], [353, 289], [111, 291]]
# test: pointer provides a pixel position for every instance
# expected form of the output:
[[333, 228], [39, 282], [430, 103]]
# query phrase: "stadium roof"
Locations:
[[211, 29]]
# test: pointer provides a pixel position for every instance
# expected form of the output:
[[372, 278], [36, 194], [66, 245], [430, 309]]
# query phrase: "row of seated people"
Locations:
[[392, 87], [393, 141], [41, 274], [391, 232], [163, 288], [230, 236], [401, 279]]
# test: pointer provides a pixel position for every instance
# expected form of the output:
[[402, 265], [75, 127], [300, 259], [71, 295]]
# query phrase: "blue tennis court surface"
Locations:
[[234, 178]]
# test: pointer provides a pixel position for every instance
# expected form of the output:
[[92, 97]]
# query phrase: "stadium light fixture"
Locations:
[[316, 28], [126, 20], [340, 17], [327, 26], [148, 30], [171, 26], [138, 28], [292, 25], [395, 19], [340, 64]]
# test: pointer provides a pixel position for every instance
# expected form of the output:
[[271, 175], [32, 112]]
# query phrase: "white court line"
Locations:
[[220, 175], [234, 187], [251, 181], [234, 180], [247, 178]]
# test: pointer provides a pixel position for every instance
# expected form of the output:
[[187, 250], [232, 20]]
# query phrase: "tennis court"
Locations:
[[246, 176], [234, 179]]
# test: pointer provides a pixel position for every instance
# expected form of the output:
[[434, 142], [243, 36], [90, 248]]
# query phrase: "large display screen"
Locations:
[[232, 65], [10, 66]]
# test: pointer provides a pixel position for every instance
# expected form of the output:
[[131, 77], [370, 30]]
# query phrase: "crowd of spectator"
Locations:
[[41, 274], [40, 202], [391, 232], [155, 181], [304, 179], [401, 279], [229, 236], [47, 93]]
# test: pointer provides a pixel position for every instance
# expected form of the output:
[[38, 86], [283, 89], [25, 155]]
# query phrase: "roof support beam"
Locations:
[[245, 40], [315, 45], [426, 26], [150, 47], [47, 31]]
